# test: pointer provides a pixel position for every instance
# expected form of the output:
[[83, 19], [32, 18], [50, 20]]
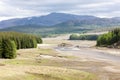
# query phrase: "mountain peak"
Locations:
[[58, 14], [53, 13]]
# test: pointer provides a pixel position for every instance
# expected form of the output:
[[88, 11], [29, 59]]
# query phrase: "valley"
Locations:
[[60, 40], [50, 61], [104, 62]]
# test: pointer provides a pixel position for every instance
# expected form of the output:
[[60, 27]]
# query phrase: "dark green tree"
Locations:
[[110, 38], [9, 49], [1, 49]]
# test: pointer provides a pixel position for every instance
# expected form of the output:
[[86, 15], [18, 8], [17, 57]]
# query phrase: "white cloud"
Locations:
[[24, 8], [94, 5]]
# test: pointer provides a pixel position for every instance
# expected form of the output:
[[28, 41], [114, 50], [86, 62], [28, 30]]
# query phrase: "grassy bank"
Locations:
[[30, 66]]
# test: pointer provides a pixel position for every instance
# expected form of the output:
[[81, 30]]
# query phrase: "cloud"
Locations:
[[25, 8]]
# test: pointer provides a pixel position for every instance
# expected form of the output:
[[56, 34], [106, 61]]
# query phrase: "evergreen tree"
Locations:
[[1, 49], [9, 49], [110, 38], [10, 41]]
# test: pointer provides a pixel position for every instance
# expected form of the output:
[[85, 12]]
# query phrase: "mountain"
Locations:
[[56, 23], [47, 20], [60, 19], [102, 22]]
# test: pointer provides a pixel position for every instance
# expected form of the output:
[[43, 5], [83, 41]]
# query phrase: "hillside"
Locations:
[[57, 23], [45, 30]]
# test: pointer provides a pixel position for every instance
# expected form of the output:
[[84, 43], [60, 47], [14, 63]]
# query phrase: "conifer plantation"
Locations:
[[11, 41]]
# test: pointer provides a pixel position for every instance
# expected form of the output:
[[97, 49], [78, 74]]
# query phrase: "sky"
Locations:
[[26, 8]]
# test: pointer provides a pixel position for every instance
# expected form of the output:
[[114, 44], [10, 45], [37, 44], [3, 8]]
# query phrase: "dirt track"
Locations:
[[87, 52]]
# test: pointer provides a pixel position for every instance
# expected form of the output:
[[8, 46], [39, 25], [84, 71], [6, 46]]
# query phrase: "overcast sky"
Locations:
[[25, 8]]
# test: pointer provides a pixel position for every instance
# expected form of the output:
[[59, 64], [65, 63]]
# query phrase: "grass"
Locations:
[[53, 53], [28, 66], [40, 62], [43, 73], [50, 52], [56, 73], [67, 57], [32, 57]]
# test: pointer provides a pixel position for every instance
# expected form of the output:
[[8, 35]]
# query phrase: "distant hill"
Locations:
[[102, 22], [58, 23], [45, 30], [47, 20], [59, 19]]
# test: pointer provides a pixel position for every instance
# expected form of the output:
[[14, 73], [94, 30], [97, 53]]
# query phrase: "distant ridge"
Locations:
[[56, 23], [59, 18]]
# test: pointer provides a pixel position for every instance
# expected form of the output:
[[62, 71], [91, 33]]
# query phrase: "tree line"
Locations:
[[109, 38], [11, 41], [83, 37]]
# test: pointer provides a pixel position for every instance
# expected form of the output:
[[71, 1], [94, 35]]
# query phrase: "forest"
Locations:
[[11, 41]]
